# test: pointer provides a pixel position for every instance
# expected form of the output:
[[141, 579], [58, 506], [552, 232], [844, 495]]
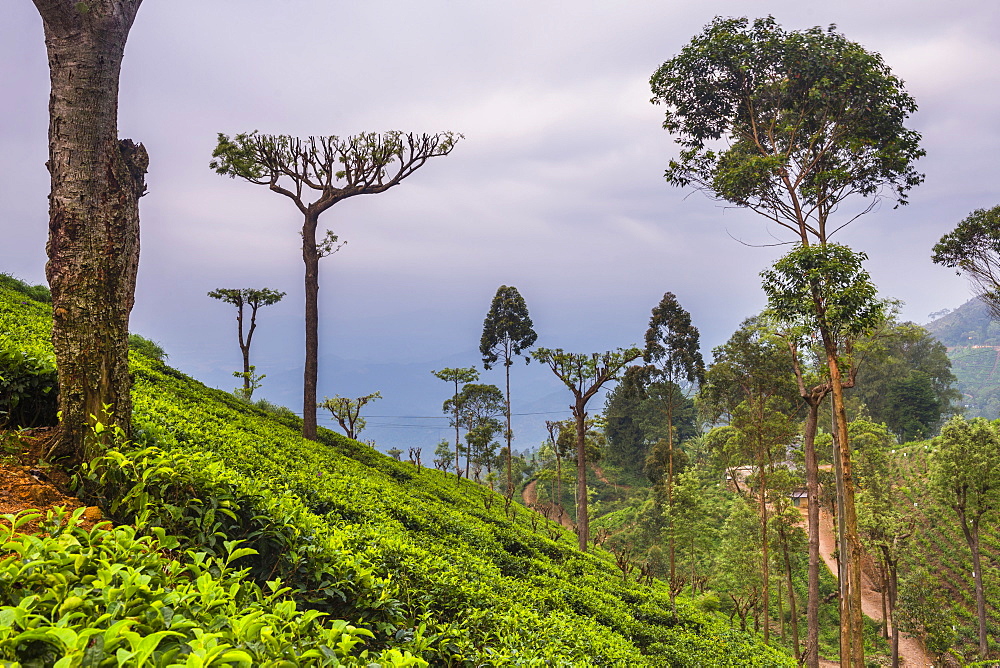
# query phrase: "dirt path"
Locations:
[[911, 650], [530, 496], [24, 483], [599, 472]]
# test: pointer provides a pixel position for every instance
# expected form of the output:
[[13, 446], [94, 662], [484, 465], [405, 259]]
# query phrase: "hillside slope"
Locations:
[[973, 340], [417, 561]]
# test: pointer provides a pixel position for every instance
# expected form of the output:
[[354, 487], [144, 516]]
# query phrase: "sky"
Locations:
[[557, 187]]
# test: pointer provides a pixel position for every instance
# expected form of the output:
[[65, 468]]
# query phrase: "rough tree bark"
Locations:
[[849, 546], [93, 245], [310, 374]]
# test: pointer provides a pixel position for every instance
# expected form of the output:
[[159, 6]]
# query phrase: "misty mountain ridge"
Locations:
[[972, 337]]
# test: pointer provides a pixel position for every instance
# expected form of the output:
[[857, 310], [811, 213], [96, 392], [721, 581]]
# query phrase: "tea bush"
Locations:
[[110, 596], [413, 560]]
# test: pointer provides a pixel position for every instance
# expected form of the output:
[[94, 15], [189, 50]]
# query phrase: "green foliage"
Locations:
[[252, 297], [809, 119], [972, 337], [111, 596], [824, 288], [28, 381], [359, 161], [924, 611], [507, 330], [905, 381], [753, 364], [584, 374], [147, 347], [965, 466], [973, 248], [347, 412], [28, 385], [627, 441], [672, 344], [252, 381], [38, 293], [411, 560]]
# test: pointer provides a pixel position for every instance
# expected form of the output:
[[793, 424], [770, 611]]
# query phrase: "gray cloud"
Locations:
[[557, 187]]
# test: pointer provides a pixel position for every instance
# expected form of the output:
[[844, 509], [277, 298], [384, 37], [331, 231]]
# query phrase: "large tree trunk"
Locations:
[[582, 516], [310, 256], [93, 245]]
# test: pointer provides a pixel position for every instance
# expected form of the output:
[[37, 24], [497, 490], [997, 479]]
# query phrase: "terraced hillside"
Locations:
[[973, 340], [939, 552], [233, 533]]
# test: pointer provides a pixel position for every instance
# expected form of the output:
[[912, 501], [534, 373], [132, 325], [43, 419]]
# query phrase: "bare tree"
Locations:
[[332, 169]]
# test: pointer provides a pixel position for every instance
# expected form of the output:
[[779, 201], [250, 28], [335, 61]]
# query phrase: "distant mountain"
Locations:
[[971, 324], [973, 340], [409, 413]]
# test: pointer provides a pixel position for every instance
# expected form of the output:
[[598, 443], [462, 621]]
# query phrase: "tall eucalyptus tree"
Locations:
[[507, 333], [673, 357]]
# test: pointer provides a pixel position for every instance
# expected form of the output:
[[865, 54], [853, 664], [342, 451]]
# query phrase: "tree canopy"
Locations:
[[964, 473], [347, 412], [787, 123], [240, 298], [973, 248], [316, 173], [507, 333]]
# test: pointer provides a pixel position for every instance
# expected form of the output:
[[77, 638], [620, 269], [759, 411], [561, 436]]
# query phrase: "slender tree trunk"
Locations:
[[693, 592], [93, 245], [812, 499], [244, 348], [582, 516], [510, 475], [884, 577], [852, 647], [792, 603], [765, 562], [971, 530], [670, 496], [310, 256], [893, 591], [790, 584], [559, 503], [781, 612], [458, 446]]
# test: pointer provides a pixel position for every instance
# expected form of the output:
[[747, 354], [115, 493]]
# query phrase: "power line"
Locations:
[[429, 417]]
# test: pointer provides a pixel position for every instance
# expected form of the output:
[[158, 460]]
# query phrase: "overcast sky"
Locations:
[[557, 187]]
